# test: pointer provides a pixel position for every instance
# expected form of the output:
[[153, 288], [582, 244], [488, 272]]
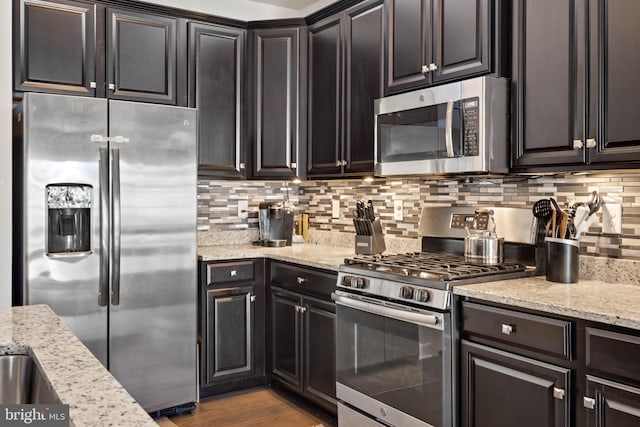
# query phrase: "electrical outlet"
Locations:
[[398, 213], [243, 208], [335, 209], [611, 218]]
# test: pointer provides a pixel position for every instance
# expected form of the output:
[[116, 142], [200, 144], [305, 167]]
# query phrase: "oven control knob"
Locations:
[[406, 292], [421, 295], [346, 281], [357, 282]]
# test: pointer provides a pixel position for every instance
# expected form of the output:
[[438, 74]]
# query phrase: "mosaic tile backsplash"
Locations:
[[218, 203]]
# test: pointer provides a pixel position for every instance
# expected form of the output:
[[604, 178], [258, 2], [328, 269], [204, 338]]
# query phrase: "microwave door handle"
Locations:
[[448, 128]]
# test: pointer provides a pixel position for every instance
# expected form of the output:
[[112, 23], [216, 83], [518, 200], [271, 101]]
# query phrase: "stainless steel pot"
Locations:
[[482, 245], [484, 249]]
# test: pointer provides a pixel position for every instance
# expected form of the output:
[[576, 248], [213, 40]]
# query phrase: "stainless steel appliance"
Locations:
[[396, 351], [276, 224], [455, 128], [106, 234]]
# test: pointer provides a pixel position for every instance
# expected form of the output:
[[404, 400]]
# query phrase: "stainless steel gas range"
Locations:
[[396, 345]]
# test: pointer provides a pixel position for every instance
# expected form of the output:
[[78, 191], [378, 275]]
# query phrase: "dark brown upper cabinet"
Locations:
[[278, 70], [548, 101], [55, 46], [345, 77], [433, 41], [577, 114], [614, 86], [216, 62], [80, 48], [141, 56]]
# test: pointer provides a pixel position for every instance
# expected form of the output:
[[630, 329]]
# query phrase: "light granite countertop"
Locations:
[[75, 376], [320, 256], [599, 301]]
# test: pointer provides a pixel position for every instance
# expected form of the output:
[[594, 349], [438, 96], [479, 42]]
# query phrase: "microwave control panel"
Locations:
[[470, 112]]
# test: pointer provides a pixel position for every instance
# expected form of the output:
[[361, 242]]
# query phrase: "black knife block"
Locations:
[[371, 245]]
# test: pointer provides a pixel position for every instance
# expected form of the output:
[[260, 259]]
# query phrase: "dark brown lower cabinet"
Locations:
[[303, 345], [611, 404], [503, 389], [230, 337], [232, 330]]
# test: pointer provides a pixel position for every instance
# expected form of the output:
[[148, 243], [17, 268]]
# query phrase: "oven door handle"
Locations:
[[418, 318]]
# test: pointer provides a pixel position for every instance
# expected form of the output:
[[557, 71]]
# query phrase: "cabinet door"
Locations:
[[548, 82], [55, 47], [364, 42], [276, 133], [325, 97], [408, 45], [216, 63], [230, 335], [463, 31], [141, 57], [614, 85], [320, 352], [285, 336], [502, 389], [611, 404]]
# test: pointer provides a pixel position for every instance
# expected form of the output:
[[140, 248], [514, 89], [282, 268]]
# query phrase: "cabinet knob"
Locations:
[[92, 85], [558, 393], [233, 273], [301, 280], [111, 86], [344, 163], [242, 166], [433, 67], [591, 143], [577, 144], [507, 329], [588, 402], [338, 163], [303, 309], [253, 298], [425, 69], [294, 165]]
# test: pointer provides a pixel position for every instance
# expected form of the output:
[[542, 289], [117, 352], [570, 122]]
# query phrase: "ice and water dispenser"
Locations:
[[69, 219]]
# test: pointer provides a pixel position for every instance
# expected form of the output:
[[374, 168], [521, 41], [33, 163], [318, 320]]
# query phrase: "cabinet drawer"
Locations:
[[237, 271], [613, 353], [303, 280], [529, 331]]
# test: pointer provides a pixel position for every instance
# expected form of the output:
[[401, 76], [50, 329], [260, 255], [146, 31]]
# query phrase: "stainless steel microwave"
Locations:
[[455, 128]]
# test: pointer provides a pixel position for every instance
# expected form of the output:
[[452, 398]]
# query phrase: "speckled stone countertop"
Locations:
[[599, 301], [320, 256], [75, 376]]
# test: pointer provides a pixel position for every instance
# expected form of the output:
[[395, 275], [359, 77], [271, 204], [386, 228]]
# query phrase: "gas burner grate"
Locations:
[[430, 265]]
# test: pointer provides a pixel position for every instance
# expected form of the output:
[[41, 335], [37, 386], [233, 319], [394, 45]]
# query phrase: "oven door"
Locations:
[[393, 362]]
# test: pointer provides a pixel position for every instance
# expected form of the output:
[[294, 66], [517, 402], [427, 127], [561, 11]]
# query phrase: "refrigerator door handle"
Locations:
[[115, 230], [103, 288]]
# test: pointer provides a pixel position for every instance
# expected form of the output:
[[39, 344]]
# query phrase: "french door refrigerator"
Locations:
[[105, 202]]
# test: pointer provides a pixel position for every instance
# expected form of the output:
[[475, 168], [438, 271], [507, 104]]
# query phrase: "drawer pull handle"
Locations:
[[301, 280], [233, 273], [507, 329], [589, 403], [558, 393]]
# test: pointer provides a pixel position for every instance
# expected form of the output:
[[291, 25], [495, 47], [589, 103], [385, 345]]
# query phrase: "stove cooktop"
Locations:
[[429, 266]]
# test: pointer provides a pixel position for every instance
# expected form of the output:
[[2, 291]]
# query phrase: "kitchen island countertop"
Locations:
[[610, 303], [320, 256], [74, 375]]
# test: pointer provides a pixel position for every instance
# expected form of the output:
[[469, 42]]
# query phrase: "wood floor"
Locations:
[[256, 407]]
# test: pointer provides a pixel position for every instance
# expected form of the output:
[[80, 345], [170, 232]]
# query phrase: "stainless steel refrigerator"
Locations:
[[105, 204]]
